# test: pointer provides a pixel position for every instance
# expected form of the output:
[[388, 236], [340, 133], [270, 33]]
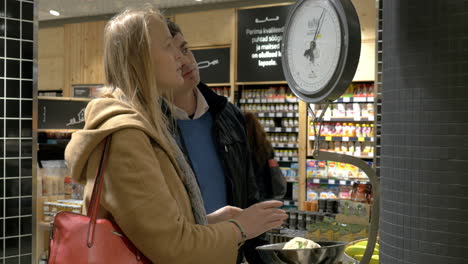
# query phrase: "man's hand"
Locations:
[[223, 214]]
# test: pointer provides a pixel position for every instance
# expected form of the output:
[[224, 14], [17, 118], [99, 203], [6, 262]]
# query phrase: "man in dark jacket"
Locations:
[[212, 134]]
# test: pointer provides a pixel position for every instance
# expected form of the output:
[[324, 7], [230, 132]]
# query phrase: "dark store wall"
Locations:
[[424, 216], [16, 92]]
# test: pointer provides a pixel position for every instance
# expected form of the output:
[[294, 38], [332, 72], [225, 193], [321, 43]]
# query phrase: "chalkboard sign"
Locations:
[[61, 114], [259, 40], [213, 64]]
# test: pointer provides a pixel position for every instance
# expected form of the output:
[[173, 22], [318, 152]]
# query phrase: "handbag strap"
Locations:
[[96, 195]]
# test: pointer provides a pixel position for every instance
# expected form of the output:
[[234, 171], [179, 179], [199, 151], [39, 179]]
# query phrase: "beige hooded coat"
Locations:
[[143, 191]]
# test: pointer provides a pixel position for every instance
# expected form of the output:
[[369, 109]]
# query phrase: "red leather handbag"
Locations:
[[81, 239]]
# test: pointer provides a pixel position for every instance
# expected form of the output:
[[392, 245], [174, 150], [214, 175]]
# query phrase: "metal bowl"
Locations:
[[329, 253]]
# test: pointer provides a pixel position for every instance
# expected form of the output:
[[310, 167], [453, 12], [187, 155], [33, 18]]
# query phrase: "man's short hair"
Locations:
[[173, 27]]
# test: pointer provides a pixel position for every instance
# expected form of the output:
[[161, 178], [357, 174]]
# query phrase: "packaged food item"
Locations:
[[293, 219], [46, 207], [357, 147], [295, 188], [350, 110], [344, 192], [344, 147], [47, 217], [331, 172], [337, 146], [301, 220], [312, 192], [351, 172], [341, 172], [351, 147], [357, 110], [311, 169], [321, 169]]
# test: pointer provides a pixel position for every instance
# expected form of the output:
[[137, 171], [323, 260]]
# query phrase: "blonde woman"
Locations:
[[149, 190]]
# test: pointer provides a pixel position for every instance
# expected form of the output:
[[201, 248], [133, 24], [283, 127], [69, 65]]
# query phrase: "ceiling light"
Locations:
[[198, 0], [54, 13]]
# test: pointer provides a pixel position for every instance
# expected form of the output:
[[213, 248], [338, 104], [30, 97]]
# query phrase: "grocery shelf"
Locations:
[[335, 182], [367, 156], [268, 101], [291, 179], [281, 129], [44, 225], [353, 139], [354, 100], [278, 114], [285, 145], [287, 159], [347, 119]]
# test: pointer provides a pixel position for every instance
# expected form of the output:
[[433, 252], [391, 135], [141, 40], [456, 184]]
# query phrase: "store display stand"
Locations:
[[371, 174]]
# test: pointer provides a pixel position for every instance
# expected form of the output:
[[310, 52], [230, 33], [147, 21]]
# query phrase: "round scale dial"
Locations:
[[321, 48]]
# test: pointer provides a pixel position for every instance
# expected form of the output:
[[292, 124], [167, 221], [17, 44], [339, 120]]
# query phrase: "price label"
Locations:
[[278, 129], [360, 99], [269, 100], [250, 101], [294, 159], [345, 138], [290, 114], [267, 129], [316, 181], [311, 138], [342, 182], [346, 99], [290, 145], [370, 99], [328, 138], [257, 101], [371, 118], [288, 129], [242, 101], [261, 114], [361, 139], [264, 100], [280, 145], [271, 114], [357, 118], [331, 182]]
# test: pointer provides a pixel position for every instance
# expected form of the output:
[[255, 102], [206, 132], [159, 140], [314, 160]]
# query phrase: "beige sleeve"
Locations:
[[137, 195]]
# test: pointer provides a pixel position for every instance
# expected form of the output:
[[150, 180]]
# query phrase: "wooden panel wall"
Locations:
[[207, 28], [50, 59], [72, 54], [366, 66], [83, 56]]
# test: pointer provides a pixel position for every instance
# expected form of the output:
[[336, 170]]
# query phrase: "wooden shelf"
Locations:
[[285, 145], [345, 139], [278, 114], [281, 129], [269, 101]]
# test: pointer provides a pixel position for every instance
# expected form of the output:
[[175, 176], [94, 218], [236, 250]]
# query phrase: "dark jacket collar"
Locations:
[[216, 102]]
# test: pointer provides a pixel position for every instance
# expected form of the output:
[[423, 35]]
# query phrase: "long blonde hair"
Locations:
[[128, 67]]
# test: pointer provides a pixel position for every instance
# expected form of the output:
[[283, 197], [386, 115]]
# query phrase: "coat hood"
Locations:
[[102, 118]]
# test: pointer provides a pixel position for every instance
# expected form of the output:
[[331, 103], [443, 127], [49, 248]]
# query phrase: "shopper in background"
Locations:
[[149, 189], [213, 137], [269, 178]]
